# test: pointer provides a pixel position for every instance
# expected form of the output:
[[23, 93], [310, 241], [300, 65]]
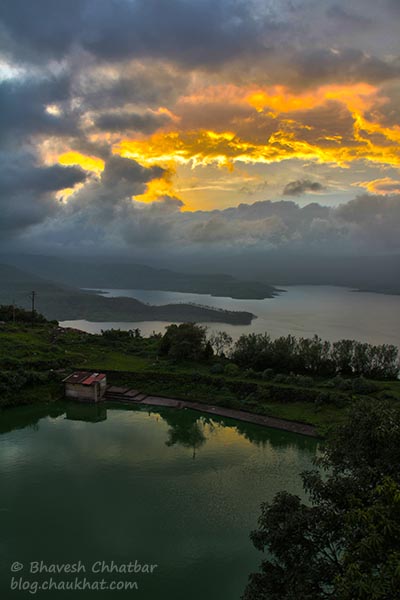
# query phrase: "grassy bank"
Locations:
[[34, 359]]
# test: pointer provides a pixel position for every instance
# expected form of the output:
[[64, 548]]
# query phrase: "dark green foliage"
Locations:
[[316, 357], [221, 342], [360, 385], [268, 374], [250, 373], [119, 335], [344, 544], [217, 369], [13, 382], [10, 313], [231, 370], [186, 341]]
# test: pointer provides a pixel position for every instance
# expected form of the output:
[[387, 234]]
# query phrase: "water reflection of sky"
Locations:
[[176, 487]]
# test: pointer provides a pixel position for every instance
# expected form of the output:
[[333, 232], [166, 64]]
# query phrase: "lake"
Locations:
[[176, 489], [331, 312]]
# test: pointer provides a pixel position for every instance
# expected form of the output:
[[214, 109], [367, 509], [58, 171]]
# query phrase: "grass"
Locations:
[[55, 352]]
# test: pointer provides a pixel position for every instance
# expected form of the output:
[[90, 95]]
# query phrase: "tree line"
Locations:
[[286, 354], [315, 356]]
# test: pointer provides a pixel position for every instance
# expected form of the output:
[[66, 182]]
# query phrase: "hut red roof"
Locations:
[[84, 378]]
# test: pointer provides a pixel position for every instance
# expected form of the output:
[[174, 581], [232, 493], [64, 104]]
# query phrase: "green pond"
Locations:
[[105, 488]]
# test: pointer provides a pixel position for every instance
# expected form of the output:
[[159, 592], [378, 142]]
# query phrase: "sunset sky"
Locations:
[[129, 122]]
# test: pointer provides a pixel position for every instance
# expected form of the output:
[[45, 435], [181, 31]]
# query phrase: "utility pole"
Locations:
[[33, 296], [13, 310]]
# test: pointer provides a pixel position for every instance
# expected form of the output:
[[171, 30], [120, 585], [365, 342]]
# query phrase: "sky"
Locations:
[[146, 126]]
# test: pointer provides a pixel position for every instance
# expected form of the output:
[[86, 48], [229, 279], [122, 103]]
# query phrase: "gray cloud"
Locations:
[[119, 171], [346, 65], [301, 186], [349, 19], [106, 217], [123, 29], [147, 122], [26, 191], [23, 107], [292, 42]]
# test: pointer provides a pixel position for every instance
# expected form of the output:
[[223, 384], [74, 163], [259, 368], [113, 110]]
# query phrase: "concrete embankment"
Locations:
[[130, 396]]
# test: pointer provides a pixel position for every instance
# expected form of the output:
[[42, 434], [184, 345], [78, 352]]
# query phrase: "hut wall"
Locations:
[[84, 392]]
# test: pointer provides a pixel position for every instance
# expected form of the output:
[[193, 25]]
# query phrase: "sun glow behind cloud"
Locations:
[[289, 138], [88, 163], [277, 126]]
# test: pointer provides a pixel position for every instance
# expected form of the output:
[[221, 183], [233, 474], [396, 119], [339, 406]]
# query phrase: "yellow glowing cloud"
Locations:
[[290, 139], [155, 190], [263, 125], [88, 163], [224, 149]]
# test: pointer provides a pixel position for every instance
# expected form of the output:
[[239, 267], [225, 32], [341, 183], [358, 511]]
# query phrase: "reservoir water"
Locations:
[[176, 489], [331, 312]]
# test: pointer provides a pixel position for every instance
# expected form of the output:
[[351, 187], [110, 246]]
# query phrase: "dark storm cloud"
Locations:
[[26, 197], [299, 187], [23, 107], [191, 32], [41, 29], [123, 171], [285, 43], [347, 65], [129, 121], [21, 177]]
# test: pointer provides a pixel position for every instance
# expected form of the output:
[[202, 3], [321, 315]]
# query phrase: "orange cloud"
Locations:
[[156, 189], [357, 97], [224, 149], [290, 138], [383, 186]]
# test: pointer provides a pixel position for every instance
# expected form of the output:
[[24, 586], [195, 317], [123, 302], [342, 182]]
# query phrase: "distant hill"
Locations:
[[63, 302], [375, 273], [98, 273]]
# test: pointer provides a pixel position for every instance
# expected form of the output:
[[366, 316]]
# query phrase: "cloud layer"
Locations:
[[148, 123]]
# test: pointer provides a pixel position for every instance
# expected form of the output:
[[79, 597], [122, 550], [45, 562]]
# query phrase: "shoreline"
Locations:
[[133, 397]]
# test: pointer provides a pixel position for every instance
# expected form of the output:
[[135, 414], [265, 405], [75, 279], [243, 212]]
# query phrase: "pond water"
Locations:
[[331, 312], [174, 488]]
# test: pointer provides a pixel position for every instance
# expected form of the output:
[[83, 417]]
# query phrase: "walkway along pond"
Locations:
[[132, 396]]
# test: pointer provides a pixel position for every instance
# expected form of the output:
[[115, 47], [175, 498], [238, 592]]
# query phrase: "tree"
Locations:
[[186, 341], [221, 342], [345, 543]]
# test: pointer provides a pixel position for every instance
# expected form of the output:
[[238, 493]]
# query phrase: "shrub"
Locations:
[[217, 369], [280, 378], [231, 370], [249, 373], [304, 381], [363, 386], [268, 374]]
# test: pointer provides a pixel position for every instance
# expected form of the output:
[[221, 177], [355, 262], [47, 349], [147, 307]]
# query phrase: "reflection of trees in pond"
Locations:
[[261, 436], [186, 429], [28, 416]]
